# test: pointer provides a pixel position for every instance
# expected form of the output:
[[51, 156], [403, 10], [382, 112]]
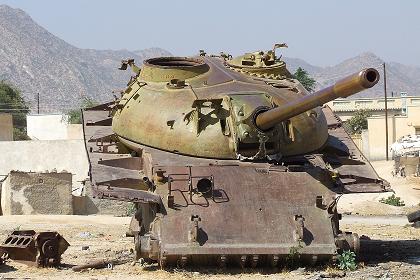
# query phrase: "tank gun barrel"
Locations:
[[345, 87]]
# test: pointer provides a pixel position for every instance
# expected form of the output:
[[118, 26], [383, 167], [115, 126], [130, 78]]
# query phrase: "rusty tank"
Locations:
[[229, 161]]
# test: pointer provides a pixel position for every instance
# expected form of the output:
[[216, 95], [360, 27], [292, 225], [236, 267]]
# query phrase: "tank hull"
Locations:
[[252, 214], [259, 213]]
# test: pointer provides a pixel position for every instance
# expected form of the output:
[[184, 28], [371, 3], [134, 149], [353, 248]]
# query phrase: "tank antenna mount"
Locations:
[[129, 62], [278, 46]]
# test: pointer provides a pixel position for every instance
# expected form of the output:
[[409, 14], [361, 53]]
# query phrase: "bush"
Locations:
[[131, 210], [12, 102], [293, 258], [75, 115], [358, 122], [393, 200], [303, 77], [347, 260]]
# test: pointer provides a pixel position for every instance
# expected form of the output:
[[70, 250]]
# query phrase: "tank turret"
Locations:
[[247, 107]]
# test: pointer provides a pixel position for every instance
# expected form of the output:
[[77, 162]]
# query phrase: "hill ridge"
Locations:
[[36, 60]]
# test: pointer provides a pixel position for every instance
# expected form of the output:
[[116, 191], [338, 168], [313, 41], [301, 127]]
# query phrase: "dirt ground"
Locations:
[[105, 237], [396, 244], [368, 204]]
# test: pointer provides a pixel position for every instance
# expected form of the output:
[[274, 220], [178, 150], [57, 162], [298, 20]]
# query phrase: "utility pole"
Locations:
[[37, 98], [386, 115]]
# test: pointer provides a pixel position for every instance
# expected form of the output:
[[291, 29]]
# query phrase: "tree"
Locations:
[[358, 122], [11, 101], [303, 77], [75, 115]]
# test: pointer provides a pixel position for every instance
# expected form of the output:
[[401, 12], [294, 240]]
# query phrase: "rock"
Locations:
[[414, 216], [316, 277], [299, 270], [333, 274], [386, 276], [85, 234]]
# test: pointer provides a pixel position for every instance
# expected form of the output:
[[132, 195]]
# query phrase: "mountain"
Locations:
[[295, 63], [36, 61], [400, 77]]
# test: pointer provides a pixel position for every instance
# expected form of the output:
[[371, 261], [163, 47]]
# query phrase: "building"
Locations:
[[56, 148], [346, 108], [52, 127], [398, 126], [39, 156], [6, 127], [403, 119]]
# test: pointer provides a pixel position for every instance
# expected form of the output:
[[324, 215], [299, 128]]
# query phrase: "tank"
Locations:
[[229, 161]]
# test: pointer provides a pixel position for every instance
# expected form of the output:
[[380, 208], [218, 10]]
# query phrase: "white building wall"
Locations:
[[41, 156], [47, 127]]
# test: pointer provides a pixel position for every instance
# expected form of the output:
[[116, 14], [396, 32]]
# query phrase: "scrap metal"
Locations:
[[42, 249]]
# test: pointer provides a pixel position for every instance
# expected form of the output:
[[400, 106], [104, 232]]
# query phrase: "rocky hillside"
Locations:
[[399, 77], [37, 61]]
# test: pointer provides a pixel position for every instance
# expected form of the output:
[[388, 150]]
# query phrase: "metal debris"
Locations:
[[43, 249], [94, 264]]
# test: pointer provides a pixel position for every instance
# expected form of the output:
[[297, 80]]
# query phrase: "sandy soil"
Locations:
[[368, 204], [105, 237]]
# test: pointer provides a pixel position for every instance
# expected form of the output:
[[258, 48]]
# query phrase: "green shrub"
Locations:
[[393, 200], [358, 122], [12, 102], [293, 258], [303, 77], [75, 115], [347, 260], [131, 209]]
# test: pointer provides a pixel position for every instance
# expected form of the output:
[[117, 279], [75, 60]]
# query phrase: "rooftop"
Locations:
[[373, 104]]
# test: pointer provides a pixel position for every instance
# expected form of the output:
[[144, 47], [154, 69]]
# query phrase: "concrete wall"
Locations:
[[365, 144], [6, 127], [59, 155], [74, 132], [25, 193], [87, 205], [41, 156], [47, 127], [53, 127], [398, 126]]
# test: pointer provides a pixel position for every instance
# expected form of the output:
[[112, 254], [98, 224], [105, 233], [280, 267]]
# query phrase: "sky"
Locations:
[[323, 32]]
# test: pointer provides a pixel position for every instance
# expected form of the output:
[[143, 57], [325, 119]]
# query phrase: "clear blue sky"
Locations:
[[321, 32]]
